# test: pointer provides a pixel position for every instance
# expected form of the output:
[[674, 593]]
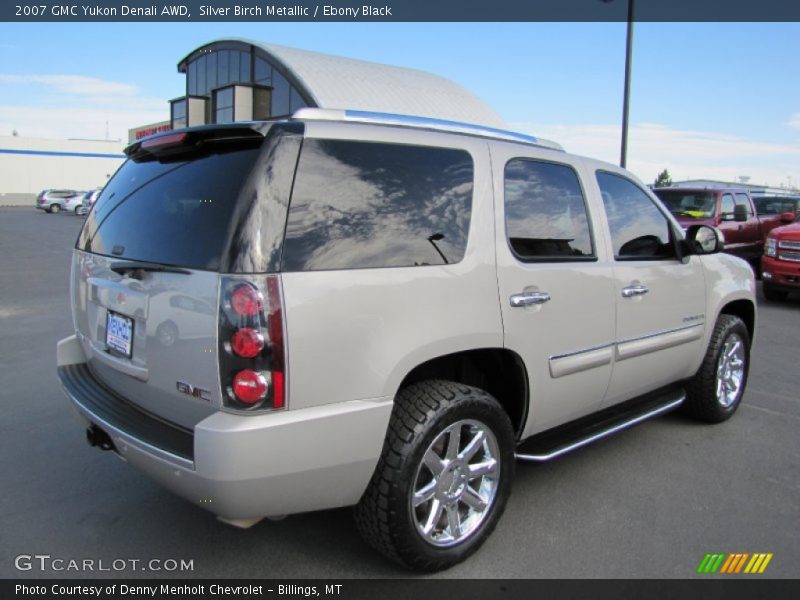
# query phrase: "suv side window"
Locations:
[[639, 230], [742, 200], [359, 205], [545, 212], [726, 207]]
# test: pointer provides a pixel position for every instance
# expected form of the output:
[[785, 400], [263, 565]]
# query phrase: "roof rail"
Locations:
[[379, 118]]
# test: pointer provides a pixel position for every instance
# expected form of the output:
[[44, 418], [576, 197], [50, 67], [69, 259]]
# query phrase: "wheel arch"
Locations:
[[745, 310], [498, 371]]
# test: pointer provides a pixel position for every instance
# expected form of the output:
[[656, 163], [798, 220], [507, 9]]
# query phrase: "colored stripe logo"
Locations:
[[737, 562]]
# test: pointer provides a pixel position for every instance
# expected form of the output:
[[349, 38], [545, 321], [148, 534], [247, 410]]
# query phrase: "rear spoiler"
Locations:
[[193, 139]]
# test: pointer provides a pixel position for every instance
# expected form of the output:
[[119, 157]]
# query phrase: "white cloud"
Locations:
[[71, 106], [686, 154], [76, 122], [794, 120], [73, 84]]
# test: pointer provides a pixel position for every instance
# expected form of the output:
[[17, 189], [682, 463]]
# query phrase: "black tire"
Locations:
[[703, 400], [422, 414], [774, 294], [54, 208]]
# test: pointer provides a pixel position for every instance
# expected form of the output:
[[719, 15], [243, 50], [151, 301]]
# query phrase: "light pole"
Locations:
[[623, 156]]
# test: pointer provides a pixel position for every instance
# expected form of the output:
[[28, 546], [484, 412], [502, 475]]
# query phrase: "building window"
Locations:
[[263, 75], [261, 103], [223, 105], [178, 113]]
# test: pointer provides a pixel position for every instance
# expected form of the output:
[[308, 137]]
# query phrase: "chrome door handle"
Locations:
[[634, 290], [529, 299]]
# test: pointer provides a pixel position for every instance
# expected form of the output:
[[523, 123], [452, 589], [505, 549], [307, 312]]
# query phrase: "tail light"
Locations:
[[251, 344]]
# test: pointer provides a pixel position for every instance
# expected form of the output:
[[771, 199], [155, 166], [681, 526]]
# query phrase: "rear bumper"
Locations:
[[240, 467], [781, 274]]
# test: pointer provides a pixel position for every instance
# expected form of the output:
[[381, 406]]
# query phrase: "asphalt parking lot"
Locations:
[[649, 502]]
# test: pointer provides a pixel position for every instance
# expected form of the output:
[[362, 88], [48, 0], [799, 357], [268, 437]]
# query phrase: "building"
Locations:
[[30, 165], [240, 80], [754, 189]]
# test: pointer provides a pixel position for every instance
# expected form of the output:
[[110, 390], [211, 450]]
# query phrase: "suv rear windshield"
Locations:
[[175, 212], [692, 205]]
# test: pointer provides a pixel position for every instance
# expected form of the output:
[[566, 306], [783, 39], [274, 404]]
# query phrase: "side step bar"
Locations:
[[566, 438]]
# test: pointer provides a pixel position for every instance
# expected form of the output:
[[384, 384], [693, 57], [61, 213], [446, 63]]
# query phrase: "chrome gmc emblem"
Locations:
[[195, 392]]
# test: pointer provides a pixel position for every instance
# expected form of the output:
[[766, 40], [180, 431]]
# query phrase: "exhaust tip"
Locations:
[[98, 438]]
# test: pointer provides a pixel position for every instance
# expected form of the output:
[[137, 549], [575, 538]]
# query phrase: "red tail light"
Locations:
[[249, 386], [251, 350], [246, 301], [247, 342]]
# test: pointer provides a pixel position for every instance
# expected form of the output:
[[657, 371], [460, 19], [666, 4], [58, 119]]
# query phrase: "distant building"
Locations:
[[754, 189], [30, 165], [233, 80]]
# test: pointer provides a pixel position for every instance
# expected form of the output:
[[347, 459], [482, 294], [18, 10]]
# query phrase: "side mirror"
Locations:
[[788, 217], [704, 239], [740, 213]]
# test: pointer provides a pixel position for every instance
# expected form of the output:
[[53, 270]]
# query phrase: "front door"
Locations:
[[660, 299]]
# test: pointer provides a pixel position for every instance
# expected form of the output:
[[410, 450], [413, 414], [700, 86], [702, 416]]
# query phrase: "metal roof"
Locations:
[[344, 83]]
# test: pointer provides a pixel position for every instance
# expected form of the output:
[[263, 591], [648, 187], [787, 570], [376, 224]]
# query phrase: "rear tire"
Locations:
[[54, 208], [716, 391], [773, 294], [443, 478]]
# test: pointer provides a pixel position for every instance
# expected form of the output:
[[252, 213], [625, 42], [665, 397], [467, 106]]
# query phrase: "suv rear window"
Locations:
[[366, 204], [175, 212]]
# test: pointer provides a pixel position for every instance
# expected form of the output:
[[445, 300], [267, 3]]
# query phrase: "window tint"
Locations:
[[726, 208], [363, 205], [545, 211], [639, 230], [742, 200], [175, 213]]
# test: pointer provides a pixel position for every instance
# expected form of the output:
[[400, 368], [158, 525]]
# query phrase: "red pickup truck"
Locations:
[[730, 209], [781, 262]]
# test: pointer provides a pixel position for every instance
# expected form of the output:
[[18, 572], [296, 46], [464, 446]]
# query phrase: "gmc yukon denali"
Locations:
[[386, 312]]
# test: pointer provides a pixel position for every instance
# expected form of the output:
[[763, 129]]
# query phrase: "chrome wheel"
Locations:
[[456, 484], [730, 370]]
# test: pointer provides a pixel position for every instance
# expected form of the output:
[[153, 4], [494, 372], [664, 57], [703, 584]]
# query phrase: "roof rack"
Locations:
[[379, 118]]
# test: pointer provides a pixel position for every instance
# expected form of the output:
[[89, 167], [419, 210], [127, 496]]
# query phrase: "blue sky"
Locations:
[[717, 100]]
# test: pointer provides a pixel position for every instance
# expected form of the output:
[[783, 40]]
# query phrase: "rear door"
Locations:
[[145, 278], [556, 286]]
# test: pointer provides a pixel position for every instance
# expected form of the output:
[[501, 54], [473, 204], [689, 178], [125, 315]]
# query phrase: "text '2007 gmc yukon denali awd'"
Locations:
[[361, 309]]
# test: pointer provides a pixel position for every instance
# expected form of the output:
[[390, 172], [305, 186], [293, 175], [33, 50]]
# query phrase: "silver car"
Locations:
[[54, 201]]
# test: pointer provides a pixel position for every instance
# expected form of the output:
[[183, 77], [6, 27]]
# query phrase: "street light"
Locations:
[[623, 156]]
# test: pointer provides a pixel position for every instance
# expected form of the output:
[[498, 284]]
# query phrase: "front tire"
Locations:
[[443, 478], [716, 391]]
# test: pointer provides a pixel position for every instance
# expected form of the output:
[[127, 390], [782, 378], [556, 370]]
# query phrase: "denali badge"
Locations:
[[186, 388]]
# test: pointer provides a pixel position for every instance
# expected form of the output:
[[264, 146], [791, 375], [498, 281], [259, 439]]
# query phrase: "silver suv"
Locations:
[[346, 308]]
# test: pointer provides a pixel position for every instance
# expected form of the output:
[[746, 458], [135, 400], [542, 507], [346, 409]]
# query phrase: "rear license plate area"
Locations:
[[119, 334]]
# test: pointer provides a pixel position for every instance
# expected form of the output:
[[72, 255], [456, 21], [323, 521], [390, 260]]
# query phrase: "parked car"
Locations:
[[87, 201], [400, 308], [54, 201], [730, 209], [780, 264], [775, 211]]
